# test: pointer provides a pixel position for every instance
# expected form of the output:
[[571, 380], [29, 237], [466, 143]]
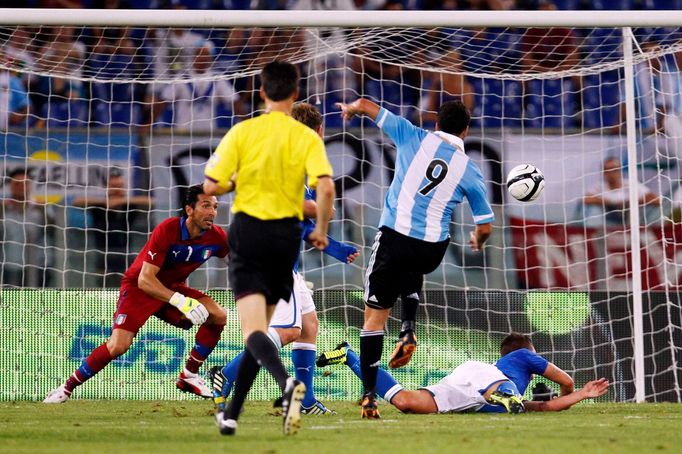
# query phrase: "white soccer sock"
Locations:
[[395, 389], [303, 346], [274, 337]]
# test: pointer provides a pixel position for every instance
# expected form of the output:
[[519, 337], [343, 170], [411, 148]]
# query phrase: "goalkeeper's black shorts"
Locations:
[[262, 256], [397, 266]]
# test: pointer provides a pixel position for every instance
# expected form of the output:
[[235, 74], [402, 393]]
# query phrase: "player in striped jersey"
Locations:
[[432, 176]]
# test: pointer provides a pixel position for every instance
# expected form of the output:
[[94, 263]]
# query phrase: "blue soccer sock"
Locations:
[[230, 372], [387, 386], [303, 357]]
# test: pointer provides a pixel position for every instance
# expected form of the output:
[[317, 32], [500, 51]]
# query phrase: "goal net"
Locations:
[[102, 128]]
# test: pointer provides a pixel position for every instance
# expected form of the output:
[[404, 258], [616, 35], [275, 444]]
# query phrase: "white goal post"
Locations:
[[601, 297]]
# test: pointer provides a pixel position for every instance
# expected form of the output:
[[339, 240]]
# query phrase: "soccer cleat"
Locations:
[[336, 356], [404, 349], [226, 426], [513, 403], [317, 408], [193, 384], [291, 406], [57, 396], [221, 387], [370, 409]]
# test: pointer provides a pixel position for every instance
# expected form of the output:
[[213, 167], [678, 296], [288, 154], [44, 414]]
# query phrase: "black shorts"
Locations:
[[262, 255], [397, 266]]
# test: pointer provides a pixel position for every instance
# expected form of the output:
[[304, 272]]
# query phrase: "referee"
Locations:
[[266, 159]]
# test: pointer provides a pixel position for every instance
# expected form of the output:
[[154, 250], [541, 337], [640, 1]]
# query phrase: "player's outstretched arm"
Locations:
[[152, 286], [591, 390], [325, 203], [360, 106], [559, 377]]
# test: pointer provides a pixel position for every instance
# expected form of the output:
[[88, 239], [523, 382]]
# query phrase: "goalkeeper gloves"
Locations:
[[190, 308]]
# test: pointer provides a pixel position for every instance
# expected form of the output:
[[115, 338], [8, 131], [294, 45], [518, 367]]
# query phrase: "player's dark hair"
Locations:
[[515, 341], [191, 197], [453, 117], [307, 114], [16, 172], [279, 80]]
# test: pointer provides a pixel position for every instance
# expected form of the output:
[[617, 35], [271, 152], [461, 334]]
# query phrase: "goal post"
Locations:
[[114, 114]]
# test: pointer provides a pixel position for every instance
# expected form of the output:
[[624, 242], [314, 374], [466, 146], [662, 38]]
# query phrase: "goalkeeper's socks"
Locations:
[[266, 353], [248, 369], [95, 362], [371, 346], [303, 357], [206, 339], [387, 386]]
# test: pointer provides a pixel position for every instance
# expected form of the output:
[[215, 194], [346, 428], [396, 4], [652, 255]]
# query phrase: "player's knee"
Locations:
[[118, 347], [219, 317], [401, 401], [289, 335], [311, 326]]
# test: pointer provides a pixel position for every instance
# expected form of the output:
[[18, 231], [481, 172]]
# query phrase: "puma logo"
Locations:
[[152, 254]]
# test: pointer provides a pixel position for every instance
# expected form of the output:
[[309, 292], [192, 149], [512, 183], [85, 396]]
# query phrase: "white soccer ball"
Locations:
[[525, 182]]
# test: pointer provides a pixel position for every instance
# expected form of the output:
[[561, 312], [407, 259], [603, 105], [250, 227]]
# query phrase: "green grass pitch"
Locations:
[[82, 426]]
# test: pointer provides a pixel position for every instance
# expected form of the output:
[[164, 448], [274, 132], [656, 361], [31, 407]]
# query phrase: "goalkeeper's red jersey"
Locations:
[[170, 248]]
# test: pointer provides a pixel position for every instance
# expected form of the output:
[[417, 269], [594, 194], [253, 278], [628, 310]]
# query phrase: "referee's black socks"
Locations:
[[246, 374], [267, 355], [371, 346]]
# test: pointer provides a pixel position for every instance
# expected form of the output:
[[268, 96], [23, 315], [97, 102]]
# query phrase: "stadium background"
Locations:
[[580, 318]]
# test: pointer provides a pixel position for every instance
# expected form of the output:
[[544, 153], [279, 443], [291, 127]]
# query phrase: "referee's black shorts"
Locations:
[[262, 256], [397, 266]]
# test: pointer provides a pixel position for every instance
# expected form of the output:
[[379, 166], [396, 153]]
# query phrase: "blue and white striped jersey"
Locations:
[[432, 175]]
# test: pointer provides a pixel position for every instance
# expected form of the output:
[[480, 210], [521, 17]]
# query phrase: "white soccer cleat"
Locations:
[[193, 383], [57, 396]]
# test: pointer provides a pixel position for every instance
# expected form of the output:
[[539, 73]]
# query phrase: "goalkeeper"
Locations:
[[155, 285], [479, 387]]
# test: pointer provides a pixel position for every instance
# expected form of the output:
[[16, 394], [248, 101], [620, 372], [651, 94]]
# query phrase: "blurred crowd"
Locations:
[[202, 81], [103, 63]]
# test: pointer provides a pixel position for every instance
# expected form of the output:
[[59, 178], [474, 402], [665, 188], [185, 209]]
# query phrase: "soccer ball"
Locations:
[[525, 182]]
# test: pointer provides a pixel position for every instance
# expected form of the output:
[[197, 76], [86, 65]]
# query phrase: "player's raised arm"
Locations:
[[591, 390], [360, 106]]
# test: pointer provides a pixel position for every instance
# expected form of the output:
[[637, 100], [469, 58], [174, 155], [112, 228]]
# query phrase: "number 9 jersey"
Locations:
[[432, 176], [171, 249]]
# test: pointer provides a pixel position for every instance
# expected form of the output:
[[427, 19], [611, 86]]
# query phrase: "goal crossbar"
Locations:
[[252, 18]]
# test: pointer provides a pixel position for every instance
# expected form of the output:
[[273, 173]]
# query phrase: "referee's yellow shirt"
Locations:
[[271, 156]]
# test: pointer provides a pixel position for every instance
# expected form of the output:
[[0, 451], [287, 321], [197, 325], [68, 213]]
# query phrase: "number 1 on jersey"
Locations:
[[435, 173]]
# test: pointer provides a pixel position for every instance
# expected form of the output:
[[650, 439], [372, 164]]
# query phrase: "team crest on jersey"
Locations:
[[206, 254], [120, 319]]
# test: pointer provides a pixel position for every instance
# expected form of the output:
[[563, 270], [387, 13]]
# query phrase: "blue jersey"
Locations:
[[432, 176], [336, 249], [520, 365]]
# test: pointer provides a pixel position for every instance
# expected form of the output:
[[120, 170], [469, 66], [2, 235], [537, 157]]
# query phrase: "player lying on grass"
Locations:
[[155, 285], [479, 387], [294, 321]]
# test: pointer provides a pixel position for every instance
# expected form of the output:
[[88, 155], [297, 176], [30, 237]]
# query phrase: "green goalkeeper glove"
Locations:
[[190, 308]]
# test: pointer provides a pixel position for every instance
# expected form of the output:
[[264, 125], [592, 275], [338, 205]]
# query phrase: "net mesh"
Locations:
[[103, 128]]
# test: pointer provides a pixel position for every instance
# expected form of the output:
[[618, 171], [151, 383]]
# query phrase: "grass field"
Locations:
[[185, 427]]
